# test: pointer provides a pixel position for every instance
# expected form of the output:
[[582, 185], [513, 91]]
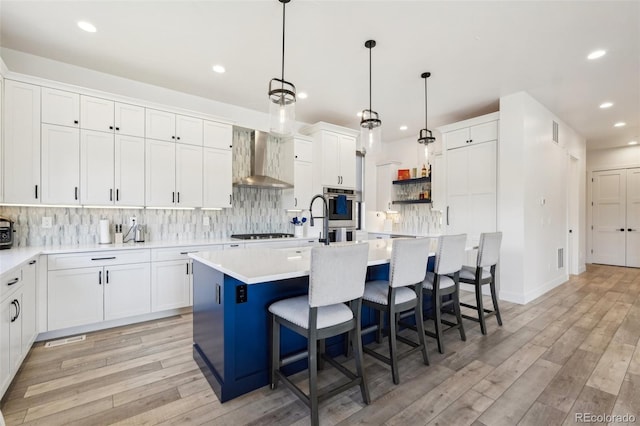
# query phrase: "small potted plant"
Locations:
[[298, 223]]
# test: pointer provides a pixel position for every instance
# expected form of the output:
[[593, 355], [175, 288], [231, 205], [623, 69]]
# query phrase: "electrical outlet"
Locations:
[[47, 222], [132, 220]]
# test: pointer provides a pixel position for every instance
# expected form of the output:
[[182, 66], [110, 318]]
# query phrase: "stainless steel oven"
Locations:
[[343, 209]]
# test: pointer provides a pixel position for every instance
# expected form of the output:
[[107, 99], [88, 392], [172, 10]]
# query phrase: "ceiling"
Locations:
[[477, 51]]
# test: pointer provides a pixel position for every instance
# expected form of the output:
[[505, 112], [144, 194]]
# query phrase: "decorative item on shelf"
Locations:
[[426, 137], [282, 95], [403, 174], [414, 173], [424, 171], [370, 122]]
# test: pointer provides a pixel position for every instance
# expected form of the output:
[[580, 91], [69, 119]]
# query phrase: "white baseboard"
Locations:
[[512, 297], [582, 268], [524, 298], [54, 334]]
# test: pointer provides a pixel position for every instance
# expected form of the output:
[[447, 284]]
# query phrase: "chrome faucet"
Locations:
[[325, 222]]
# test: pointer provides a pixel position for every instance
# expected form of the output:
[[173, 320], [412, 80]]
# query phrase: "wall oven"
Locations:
[[343, 208]]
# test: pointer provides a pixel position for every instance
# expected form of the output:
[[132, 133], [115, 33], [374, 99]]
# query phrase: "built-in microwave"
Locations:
[[343, 209]]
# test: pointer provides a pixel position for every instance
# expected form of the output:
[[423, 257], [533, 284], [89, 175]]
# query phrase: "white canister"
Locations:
[[105, 232]]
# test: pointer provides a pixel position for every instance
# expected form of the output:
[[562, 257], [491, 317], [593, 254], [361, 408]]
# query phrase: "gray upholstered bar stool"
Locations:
[[409, 258], [482, 274], [444, 281], [337, 277]]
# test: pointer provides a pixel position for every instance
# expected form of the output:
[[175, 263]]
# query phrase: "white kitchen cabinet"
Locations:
[[298, 170], [11, 353], [217, 178], [111, 169], [60, 107], [189, 130], [160, 178], [129, 120], [217, 135], [438, 189], [188, 176], [127, 290], [96, 114], [471, 176], [171, 287], [334, 154], [386, 173], [28, 309], [21, 144], [60, 162], [167, 126], [173, 174], [117, 286]]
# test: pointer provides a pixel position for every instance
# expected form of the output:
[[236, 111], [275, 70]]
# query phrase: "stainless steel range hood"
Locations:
[[258, 177]]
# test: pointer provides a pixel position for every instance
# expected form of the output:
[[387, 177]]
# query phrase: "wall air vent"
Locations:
[[66, 341], [555, 131], [560, 258]]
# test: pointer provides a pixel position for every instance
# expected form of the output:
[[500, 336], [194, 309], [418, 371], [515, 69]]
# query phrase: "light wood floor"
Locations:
[[573, 350]]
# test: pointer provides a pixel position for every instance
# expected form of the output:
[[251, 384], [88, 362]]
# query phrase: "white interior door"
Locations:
[[633, 217], [574, 220], [609, 217]]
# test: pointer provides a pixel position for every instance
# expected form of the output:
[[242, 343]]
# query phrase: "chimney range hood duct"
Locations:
[[258, 178]]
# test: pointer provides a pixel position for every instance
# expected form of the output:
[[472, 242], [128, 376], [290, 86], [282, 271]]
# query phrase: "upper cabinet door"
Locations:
[[129, 171], [129, 120], [60, 165], [188, 176], [60, 107], [456, 138], [96, 114], [217, 135], [347, 161], [484, 132], [96, 168], [161, 125], [330, 167], [21, 156], [160, 173], [217, 177], [188, 130]]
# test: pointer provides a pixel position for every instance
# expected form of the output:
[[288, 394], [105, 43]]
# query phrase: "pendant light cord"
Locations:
[[370, 82], [425, 107], [283, 20]]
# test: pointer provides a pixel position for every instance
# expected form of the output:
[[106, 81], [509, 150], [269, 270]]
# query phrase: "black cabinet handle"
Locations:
[[103, 258], [19, 308], [15, 303], [110, 127], [75, 121], [295, 201], [230, 146], [178, 196], [36, 192], [173, 137], [218, 294], [621, 229], [13, 281], [117, 129], [234, 245], [296, 156], [117, 195], [173, 197], [107, 276], [110, 194], [32, 262], [75, 192], [100, 277], [178, 138], [229, 199], [447, 215]]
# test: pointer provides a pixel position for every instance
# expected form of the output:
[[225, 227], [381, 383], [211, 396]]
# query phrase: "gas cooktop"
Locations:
[[261, 236]]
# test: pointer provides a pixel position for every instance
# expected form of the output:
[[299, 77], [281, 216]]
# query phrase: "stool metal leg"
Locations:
[[480, 308], [456, 308], [380, 320], [420, 328], [437, 314], [275, 351], [312, 348], [494, 297], [392, 319], [358, 353]]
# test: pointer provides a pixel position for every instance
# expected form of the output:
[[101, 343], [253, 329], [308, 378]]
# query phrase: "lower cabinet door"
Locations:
[[75, 297], [127, 290], [7, 312], [171, 282]]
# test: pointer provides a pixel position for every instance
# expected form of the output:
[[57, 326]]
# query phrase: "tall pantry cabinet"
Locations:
[[471, 158]]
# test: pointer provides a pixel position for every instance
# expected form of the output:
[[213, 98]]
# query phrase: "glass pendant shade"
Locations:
[[282, 111], [370, 131], [282, 96]]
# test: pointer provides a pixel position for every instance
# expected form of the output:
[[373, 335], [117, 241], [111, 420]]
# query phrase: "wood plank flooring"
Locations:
[[571, 351]]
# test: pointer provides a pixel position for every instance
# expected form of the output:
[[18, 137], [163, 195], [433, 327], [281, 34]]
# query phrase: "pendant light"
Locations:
[[370, 123], [426, 137], [282, 96]]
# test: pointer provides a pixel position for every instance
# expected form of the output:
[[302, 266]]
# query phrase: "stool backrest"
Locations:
[[489, 248], [450, 255], [409, 259], [338, 273]]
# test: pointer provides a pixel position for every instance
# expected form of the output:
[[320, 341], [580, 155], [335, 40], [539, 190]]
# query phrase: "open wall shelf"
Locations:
[[415, 180], [425, 201]]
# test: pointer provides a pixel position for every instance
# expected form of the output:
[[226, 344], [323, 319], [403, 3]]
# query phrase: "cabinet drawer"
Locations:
[[484, 132], [233, 246], [9, 281], [456, 138], [97, 258], [303, 150], [180, 253]]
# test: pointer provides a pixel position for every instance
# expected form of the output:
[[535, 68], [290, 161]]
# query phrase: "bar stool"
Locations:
[[444, 281], [409, 258], [337, 276], [484, 273]]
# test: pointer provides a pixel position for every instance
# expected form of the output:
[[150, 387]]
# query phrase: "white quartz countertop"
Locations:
[[257, 265], [15, 256]]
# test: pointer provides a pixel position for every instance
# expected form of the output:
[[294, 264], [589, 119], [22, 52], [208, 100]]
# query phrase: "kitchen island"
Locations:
[[231, 293]]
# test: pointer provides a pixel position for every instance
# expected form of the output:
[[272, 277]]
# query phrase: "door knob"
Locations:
[[621, 229]]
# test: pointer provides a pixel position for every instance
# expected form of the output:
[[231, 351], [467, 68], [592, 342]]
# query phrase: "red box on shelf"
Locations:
[[403, 174]]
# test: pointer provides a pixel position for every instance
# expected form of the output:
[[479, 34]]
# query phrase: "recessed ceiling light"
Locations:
[[303, 95], [633, 143], [606, 105], [219, 69], [620, 124], [596, 54], [403, 127], [87, 26]]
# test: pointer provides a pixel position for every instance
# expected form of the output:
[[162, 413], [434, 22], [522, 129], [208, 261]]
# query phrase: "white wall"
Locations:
[[533, 197], [606, 159]]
